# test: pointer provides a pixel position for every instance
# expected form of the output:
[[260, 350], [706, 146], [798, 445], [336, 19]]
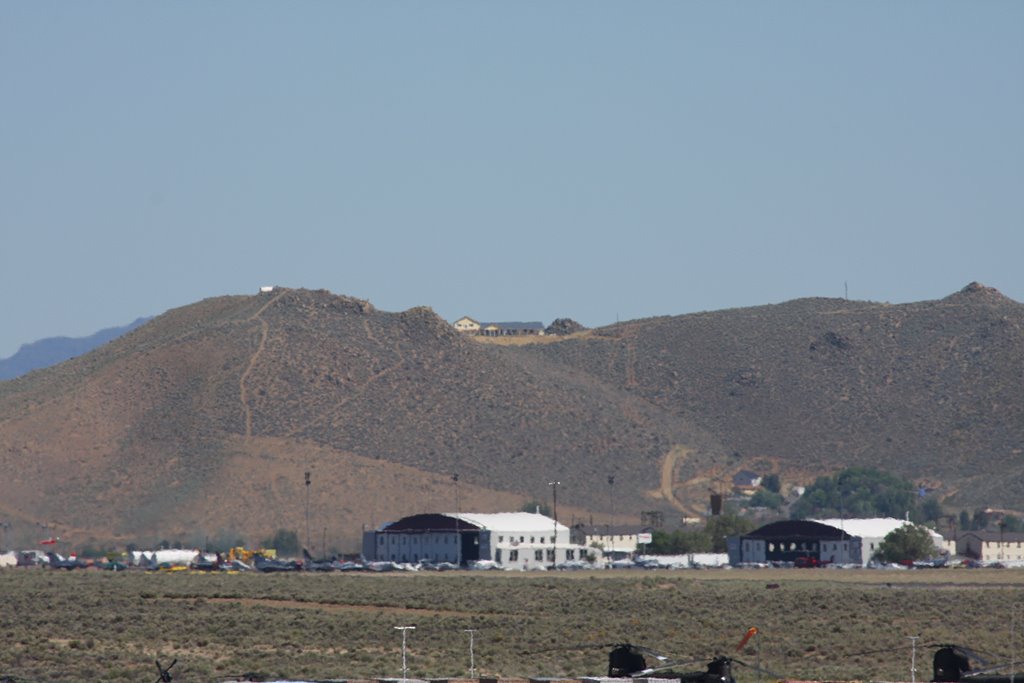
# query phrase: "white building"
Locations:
[[616, 542], [514, 540], [873, 531]]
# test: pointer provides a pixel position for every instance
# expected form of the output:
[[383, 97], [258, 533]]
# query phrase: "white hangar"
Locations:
[[514, 540]]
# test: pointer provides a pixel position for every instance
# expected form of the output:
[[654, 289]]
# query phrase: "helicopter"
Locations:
[[952, 664], [718, 670], [628, 660]]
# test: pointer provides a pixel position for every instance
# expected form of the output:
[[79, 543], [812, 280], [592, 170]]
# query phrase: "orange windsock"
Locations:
[[751, 632]]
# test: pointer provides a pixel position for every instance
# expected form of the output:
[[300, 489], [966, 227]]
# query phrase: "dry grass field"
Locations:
[[88, 625]]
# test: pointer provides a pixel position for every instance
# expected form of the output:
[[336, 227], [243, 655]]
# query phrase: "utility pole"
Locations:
[[554, 539], [405, 668], [472, 664], [913, 658], [458, 522], [307, 509], [611, 506]]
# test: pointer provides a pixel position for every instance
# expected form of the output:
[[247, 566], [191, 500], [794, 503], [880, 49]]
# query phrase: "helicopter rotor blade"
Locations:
[[760, 669], [668, 665], [982, 672], [578, 646]]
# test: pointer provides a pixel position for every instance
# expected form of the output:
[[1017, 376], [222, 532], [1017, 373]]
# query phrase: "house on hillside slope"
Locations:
[[514, 540]]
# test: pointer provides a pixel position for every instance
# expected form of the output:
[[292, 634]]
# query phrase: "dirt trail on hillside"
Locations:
[[675, 456], [264, 331]]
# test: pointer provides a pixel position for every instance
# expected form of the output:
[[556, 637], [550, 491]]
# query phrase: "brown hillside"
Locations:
[[138, 438], [931, 390], [202, 422]]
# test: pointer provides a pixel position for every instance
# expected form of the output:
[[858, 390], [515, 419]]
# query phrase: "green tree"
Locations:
[[906, 544], [285, 542], [857, 492], [679, 542], [1012, 524], [931, 510], [980, 520], [771, 482], [723, 526], [965, 520], [764, 498]]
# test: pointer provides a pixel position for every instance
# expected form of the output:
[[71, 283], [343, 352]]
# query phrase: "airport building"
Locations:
[[517, 540]]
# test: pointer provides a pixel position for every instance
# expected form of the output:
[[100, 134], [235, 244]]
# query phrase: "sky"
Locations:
[[526, 161]]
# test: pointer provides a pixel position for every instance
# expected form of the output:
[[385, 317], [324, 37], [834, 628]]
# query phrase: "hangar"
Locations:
[[798, 541], [521, 540]]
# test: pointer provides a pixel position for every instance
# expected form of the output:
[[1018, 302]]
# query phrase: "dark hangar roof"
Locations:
[[430, 521], [798, 529]]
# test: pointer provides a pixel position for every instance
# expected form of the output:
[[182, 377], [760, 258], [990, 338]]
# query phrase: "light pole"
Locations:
[[913, 658], [472, 666], [404, 630], [554, 511], [307, 508], [458, 526], [611, 505]]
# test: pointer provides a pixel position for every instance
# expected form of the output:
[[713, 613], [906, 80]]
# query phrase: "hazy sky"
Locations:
[[508, 161]]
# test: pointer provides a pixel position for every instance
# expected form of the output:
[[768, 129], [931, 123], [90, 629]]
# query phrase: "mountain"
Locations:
[[201, 423], [53, 350]]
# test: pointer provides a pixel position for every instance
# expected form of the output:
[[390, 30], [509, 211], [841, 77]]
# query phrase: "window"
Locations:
[[497, 555], [513, 555], [552, 539], [500, 539], [522, 539], [538, 554], [380, 540], [551, 554], [570, 554], [532, 540]]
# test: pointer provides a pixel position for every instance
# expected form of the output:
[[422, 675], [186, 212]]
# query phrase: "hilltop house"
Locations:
[[468, 325]]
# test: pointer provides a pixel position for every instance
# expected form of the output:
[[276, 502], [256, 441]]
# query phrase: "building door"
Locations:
[[470, 546]]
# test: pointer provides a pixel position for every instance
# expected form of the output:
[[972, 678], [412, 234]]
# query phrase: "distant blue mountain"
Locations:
[[53, 350]]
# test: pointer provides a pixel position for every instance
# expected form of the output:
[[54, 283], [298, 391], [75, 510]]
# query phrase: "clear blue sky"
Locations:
[[508, 161]]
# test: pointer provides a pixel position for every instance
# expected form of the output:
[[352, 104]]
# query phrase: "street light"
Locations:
[[307, 509], [913, 658], [404, 630], [458, 526], [472, 667], [554, 539], [611, 514]]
